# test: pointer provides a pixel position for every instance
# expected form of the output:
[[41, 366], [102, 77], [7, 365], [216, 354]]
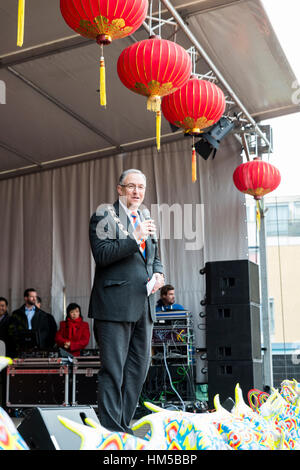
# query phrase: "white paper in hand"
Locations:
[[151, 284]]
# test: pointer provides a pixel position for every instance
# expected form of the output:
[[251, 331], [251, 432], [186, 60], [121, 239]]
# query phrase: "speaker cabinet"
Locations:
[[233, 332], [232, 282], [224, 375], [37, 386], [42, 430]]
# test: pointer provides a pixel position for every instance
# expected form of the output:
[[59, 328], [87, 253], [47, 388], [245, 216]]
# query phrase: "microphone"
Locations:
[[147, 216]]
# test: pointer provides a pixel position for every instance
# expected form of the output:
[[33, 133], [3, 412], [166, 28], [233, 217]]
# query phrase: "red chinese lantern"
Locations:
[[154, 68], [104, 21], [256, 178], [195, 106]]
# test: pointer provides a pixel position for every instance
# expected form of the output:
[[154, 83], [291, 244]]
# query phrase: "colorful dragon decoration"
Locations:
[[271, 422], [10, 438]]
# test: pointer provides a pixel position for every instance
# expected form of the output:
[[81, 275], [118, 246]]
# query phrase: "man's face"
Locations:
[[31, 298], [169, 298], [132, 192], [3, 308]]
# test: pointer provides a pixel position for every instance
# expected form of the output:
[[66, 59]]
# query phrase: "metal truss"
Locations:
[[246, 126]]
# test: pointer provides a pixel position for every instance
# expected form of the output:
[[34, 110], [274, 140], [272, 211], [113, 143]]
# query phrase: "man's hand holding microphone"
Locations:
[[145, 229]]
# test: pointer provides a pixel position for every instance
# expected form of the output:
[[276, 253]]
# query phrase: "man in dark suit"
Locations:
[[51, 320], [30, 320], [126, 258]]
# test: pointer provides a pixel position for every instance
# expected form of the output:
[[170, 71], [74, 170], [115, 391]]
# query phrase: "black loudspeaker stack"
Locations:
[[233, 332]]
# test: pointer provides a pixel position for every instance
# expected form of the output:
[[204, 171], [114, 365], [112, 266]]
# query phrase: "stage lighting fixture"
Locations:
[[256, 145], [210, 140]]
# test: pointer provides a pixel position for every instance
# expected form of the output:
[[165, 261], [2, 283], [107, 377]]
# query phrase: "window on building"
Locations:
[[295, 224], [297, 211], [277, 220]]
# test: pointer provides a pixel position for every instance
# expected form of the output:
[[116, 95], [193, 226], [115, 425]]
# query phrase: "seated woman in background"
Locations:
[[74, 333]]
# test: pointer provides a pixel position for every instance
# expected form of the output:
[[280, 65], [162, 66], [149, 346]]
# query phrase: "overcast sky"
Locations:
[[285, 16]]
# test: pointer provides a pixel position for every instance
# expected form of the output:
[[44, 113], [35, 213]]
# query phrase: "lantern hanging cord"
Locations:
[[102, 79], [258, 215], [21, 20], [150, 18], [256, 238], [158, 129], [194, 162], [159, 16]]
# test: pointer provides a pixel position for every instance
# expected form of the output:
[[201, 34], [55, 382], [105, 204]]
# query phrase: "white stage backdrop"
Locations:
[[45, 218]]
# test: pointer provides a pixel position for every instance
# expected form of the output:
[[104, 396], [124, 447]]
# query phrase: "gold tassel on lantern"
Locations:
[[21, 19], [158, 129], [194, 165], [153, 103], [102, 82], [258, 215]]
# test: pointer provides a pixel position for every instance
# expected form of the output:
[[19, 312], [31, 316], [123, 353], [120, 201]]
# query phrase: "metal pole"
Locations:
[[200, 49], [267, 364], [245, 145], [64, 302]]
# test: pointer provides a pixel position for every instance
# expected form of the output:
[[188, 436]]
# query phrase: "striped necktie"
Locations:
[[135, 222]]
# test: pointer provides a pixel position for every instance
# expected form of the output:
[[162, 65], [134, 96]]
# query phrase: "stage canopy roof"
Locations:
[[52, 115]]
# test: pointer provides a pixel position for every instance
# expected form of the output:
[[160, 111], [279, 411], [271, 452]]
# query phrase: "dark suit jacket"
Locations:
[[43, 323], [119, 291], [4, 328]]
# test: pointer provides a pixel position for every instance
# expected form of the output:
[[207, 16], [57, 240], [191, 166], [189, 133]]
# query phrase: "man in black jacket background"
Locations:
[[30, 327]]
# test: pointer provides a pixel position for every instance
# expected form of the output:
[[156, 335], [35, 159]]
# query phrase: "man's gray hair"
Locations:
[[126, 172]]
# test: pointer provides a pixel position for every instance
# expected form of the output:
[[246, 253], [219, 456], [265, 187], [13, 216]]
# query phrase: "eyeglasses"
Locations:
[[132, 187]]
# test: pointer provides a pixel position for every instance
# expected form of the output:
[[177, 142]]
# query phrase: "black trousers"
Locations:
[[125, 352]]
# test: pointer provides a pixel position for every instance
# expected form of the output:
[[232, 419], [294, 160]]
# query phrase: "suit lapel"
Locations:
[[125, 220]]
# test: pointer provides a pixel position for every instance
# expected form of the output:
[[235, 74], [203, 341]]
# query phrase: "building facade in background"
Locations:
[[282, 222]]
